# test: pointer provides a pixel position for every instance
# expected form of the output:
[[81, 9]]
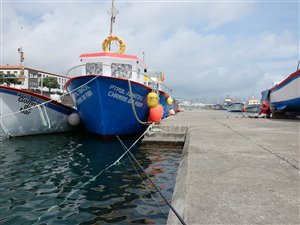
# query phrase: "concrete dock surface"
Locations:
[[236, 170]]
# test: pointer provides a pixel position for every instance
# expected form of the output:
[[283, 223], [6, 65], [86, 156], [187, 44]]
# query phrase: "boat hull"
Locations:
[[286, 95], [19, 119], [235, 107], [104, 104], [252, 108]]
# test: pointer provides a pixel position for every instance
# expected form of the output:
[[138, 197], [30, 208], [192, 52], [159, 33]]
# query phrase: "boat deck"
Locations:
[[236, 170]]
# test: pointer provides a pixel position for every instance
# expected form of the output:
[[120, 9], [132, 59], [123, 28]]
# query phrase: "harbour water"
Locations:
[[61, 179]]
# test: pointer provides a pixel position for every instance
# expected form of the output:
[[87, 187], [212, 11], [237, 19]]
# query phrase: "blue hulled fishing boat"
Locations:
[[111, 91]]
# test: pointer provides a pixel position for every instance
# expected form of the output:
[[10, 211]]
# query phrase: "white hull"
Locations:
[[17, 119], [286, 95], [289, 91]]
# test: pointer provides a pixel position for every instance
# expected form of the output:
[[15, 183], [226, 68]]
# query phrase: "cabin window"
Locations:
[[138, 73], [94, 68], [121, 70]]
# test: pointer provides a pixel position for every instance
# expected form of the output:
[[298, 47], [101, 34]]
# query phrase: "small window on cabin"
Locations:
[[138, 73], [121, 70], [94, 68]]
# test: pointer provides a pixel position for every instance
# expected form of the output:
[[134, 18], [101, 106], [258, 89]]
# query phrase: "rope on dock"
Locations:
[[127, 150]]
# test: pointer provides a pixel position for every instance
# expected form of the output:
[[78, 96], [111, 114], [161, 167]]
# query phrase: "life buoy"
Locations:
[[109, 39]]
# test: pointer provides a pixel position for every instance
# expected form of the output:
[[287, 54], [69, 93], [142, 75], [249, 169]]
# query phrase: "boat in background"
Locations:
[[285, 96], [110, 91], [227, 102], [235, 107], [27, 113], [217, 107], [253, 105]]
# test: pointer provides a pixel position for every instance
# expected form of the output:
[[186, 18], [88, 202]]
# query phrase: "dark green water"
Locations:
[[52, 179]]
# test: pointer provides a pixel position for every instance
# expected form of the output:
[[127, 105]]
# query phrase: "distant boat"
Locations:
[[285, 96], [227, 102], [217, 107], [252, 105], [235, 107], [27, 113], [111, 91]]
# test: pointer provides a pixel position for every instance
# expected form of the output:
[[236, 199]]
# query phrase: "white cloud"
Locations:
[[204, 48]]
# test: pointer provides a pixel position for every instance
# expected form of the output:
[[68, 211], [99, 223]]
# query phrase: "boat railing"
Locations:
[[76, 70], [149, 81], [166, 89]]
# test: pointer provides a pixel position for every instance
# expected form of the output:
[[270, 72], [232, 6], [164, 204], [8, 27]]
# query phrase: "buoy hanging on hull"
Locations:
[[152, 100], [156, 114], [74, 119]]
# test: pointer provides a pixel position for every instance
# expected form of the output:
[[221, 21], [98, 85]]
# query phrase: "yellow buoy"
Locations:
[[152, 99], [170, 101]]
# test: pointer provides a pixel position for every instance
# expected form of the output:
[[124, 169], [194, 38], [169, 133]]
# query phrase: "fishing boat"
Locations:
[[27, 113], [285, 96], [252, 105], [235, 107], [227, 101], [110, 90]]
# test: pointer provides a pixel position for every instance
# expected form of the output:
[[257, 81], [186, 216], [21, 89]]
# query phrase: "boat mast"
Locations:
[[20, 51], [113, 12]]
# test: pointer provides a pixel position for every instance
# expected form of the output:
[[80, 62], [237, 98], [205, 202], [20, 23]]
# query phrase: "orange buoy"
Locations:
[[156, 113]]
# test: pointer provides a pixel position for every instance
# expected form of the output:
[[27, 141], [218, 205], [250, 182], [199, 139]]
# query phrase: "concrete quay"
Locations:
[[236, 170]]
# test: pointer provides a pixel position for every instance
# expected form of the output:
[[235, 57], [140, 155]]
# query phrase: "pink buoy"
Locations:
[[156, 113]]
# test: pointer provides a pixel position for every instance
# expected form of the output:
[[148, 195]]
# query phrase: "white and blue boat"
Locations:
[[285, 96], [23, 113], [110, 90]]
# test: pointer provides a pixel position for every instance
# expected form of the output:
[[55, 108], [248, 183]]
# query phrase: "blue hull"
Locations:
[[292, 105], [104, 104]]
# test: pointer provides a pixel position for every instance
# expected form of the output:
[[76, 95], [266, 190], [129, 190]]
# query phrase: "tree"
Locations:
[[9, 79], [50, 82]]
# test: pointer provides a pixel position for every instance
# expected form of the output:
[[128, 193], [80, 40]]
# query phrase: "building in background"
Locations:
[[32, 79]]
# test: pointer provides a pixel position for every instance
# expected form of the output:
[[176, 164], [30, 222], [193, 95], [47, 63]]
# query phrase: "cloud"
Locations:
[[204, 48]]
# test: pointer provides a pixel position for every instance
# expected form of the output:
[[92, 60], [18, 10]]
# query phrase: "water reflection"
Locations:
[[50, 179]]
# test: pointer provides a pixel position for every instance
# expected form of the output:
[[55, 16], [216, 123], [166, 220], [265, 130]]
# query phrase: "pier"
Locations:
[[236, 170]]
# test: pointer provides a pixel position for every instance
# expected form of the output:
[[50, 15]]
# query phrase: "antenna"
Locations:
[[298, 65], [113, 12], [20, 51]]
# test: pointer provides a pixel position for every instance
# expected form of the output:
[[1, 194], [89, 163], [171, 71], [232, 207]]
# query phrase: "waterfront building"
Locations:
[[32, 79]]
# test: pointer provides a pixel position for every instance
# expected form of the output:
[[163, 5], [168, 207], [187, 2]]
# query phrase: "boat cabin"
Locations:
[[114, 65]]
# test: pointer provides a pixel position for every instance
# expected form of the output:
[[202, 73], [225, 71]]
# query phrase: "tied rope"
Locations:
[[133, 107], [127, 150], [92, 179], [69, 92]]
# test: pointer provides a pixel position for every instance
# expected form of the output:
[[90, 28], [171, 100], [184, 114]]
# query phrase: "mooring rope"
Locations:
[[44, 103], [156, 201], [92, 179], [133, 107], [127, 150], [68, 93]]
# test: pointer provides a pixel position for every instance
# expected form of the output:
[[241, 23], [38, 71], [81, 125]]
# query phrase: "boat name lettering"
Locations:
[[121, 95], [117, 89], [117, 96], [27, 101], [26, 109], [82, 94]]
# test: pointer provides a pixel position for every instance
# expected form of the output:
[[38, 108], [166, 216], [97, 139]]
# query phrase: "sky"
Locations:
[[206, 49]]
